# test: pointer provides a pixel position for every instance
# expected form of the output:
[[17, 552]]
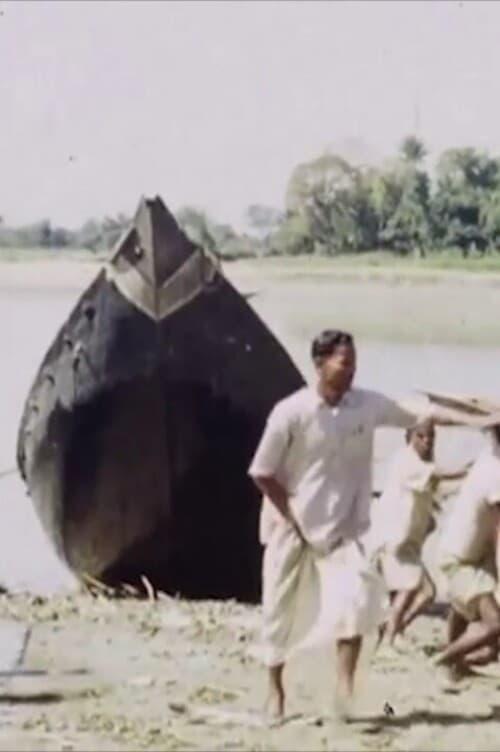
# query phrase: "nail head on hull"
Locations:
[[89, 312], [48, 376]]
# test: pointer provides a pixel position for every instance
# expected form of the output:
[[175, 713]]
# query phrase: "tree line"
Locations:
[[332, 206]]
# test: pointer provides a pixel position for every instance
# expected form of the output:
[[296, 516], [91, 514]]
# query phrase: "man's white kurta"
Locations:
[[322, 456]]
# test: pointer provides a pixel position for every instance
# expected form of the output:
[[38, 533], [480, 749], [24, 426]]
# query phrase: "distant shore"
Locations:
[[404, 302], [372, 266]]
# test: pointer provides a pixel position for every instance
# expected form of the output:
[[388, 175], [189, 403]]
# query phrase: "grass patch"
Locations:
[[24, 255], [293, 265], [370, 265]]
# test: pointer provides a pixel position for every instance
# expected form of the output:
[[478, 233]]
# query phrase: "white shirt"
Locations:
[[468, 531], [322, 456], [403, 511]]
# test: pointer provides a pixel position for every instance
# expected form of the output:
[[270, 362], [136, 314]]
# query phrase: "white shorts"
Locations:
[[466, 583]]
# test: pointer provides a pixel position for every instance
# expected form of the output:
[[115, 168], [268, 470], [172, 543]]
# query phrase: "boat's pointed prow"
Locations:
[[163, 246], [143, 417], [155, 265]]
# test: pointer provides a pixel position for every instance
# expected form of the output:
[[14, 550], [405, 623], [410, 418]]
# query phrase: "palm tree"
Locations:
[[412, 150]]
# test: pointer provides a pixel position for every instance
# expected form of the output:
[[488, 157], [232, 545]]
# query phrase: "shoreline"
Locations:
[[384, 305], [66, 269]]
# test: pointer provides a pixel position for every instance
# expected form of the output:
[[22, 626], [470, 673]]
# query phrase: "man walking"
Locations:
[[313, 466]]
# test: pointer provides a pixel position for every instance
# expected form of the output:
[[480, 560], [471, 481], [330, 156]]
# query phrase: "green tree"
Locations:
[[263, 219], [465, 180], [412, 150], [218, 239], [112, 229], [61, 238], [385, 188], [292, 238], [400, 198], [89, 235], [489, 219], [333, 198], [197, 227], [408, 228]]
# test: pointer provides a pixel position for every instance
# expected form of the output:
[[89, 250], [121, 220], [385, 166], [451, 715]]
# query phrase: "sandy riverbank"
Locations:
[[172, 675]]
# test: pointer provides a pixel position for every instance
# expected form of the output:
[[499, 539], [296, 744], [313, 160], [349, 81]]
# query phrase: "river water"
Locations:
[[30, 320]]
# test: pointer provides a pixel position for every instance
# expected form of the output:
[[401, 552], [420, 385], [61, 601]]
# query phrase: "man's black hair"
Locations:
[[325, 343], [411, 430]]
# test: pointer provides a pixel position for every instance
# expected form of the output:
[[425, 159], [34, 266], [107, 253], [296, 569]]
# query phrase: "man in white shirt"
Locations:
[[401, 521], [469, 560], [313, 466]]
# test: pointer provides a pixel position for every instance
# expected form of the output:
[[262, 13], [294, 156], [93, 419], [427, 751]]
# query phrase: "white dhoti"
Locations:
[[311, 600]]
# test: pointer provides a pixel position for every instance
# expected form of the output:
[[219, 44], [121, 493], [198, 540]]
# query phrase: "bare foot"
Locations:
[[460, 671], [343, 703], [274, 708], [451, 678], [400, 643], [455, 671]]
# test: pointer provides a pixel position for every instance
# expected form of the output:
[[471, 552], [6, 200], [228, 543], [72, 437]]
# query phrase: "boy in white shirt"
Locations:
[[401, 521], [469, 560]]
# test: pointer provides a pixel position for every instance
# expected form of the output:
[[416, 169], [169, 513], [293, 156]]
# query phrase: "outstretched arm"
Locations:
[[405, 413], [457, 475], [447, 416]]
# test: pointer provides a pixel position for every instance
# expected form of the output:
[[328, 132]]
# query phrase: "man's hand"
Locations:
[[298, 530], [278, 496], [274, 491], [443, 476]]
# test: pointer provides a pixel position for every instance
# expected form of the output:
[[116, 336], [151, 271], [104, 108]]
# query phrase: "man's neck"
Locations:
[[330, 395]]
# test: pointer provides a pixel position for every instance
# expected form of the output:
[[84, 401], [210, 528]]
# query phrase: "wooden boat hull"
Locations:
[[142, 420]]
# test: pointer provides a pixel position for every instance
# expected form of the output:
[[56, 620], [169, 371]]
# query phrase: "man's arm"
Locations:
[[269, 457], [496, 534], [405, 413], [442, 476], [447, 416], [274, 491]]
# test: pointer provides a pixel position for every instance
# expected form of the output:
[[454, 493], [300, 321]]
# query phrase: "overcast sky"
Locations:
[[214, 103]]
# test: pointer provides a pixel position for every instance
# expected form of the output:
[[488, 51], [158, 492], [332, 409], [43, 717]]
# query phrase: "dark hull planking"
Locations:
[[139, 428]]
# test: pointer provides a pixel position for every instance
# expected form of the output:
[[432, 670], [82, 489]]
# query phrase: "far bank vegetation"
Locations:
[[333, 208]]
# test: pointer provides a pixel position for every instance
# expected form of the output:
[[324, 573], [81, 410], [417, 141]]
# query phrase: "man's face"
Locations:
[[337, 370], [422, 440]]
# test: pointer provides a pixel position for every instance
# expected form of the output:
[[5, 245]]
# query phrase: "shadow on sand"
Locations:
[[40, 698], [431, 718]]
